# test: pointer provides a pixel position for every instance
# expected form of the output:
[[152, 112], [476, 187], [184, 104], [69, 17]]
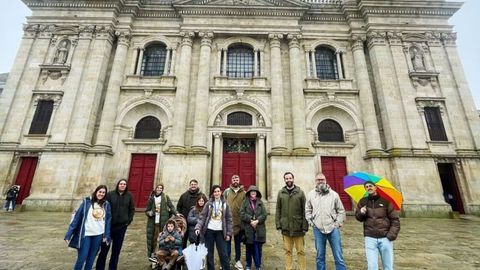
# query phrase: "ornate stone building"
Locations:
[[165, 91]]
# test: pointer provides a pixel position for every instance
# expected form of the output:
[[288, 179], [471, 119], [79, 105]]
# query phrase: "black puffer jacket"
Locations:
[[380, 220]]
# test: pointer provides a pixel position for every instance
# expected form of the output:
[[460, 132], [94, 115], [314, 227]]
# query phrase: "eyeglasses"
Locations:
[[321, 179]]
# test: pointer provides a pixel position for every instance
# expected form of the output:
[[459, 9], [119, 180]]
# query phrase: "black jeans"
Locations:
[[117, 235], [212, 238]]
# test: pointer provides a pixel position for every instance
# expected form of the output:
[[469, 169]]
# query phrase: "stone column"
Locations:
[[167, 62], [307, 63], [276, 82], [136, 54], [339, 65], [181, 96], [88, 98], [255, 63], [389, 99], [262, 179], [203, 89], [224, 71], [172, 61], [314, 64], [217, 151], [219, 61], [140, 60], [262, 69], [7, 98], [110, 107], [298, 101], [370, 124], [464, 94]]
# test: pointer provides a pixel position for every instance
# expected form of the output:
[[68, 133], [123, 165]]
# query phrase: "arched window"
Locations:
[[239, 119], [330, 131], [326, 64], [148, 128], [240, 61], [153, 62]]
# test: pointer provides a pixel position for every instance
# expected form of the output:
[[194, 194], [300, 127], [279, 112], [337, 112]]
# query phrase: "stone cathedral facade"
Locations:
[[166, 91]]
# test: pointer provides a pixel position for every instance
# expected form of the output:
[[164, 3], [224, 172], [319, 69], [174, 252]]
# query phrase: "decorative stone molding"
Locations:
[[424, 79], [54, 72], [56, 97], [294, 40], [275, 39], [357, 42], [187, 38], [86, 31], [30, 30], [376, 38], [394, 38], [207, 38], [449, 38], [123, 37], [430, 102]]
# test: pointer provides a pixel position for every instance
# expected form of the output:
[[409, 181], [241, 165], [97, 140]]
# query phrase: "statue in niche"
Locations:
[[61, 53], [417, 59], [261, 122], [218, 120]]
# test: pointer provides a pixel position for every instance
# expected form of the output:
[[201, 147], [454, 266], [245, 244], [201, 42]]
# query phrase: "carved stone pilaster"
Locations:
[[104, 32], [394, 38], [449, 38], [275, 40], [124, 37], [207, 38], [30, 30], [294, 40], [376, 38], [357, 42], [187, 38], [86, 31], [433, 39]]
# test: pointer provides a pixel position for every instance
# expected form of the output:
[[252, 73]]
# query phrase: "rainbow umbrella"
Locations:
[[353, 185]]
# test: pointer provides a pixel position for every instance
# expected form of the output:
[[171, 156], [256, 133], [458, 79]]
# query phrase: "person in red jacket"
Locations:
[[380, 227]]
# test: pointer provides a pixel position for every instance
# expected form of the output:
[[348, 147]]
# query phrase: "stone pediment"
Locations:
[[244, 3]]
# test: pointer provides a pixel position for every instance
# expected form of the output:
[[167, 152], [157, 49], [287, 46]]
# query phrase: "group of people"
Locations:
[[231, 215], [11, 198]]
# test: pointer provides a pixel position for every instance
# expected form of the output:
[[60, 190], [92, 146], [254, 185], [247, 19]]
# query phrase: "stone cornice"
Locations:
[[408, 8], [196, 10], [77, 4]]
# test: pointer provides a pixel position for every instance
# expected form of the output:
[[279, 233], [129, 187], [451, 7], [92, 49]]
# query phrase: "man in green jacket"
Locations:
[[290, 220]]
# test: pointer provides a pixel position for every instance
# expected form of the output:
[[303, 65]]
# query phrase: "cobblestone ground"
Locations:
[[34, 240]]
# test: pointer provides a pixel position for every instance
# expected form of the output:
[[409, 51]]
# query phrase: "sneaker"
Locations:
[[153, 260], [239, 265], [248, 268]]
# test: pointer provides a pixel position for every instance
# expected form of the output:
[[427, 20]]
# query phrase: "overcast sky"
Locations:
[[13, 12]]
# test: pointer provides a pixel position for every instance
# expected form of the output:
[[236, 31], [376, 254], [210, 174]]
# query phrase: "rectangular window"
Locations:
[[435, 126], [41, 119]]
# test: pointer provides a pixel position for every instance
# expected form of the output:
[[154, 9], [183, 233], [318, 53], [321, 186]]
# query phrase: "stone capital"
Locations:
[[294, 40], [357, 42], [449, 38], [124, 37], [187, 38], [394, 38], [275, 39], [104, 32], [376, 38], [217, 135], [207, 38], [30, 30], [86, 31]]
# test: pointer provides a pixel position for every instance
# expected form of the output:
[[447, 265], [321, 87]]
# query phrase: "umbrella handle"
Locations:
[[197, 240]]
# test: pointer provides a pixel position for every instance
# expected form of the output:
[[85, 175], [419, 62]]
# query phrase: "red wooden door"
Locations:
[[25, 177], [239, 158], [141, 177], [335, 168]]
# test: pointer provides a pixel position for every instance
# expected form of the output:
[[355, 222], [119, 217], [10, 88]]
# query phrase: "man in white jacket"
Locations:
[[325, 213]]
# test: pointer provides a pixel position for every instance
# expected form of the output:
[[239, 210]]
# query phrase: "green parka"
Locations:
[[290, 214], [166, 210], [247, 214]]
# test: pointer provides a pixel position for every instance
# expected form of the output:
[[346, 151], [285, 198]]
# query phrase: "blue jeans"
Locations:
[[212, 238], [237, 239], [10, 205], [254, 250], [87, 252], [382, 245], [117, 235], [335, 243]]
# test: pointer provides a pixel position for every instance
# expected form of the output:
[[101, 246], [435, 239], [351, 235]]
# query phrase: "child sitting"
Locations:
[[169, 243]]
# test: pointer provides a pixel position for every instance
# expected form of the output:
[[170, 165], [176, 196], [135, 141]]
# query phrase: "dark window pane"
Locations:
[[153, 63], [330, 131], [326, 64], [239, 119], [148, 128], [435, 126], [240, 62], [41, 119]]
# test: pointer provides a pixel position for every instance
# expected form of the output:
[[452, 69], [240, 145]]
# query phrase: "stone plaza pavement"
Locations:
[[34, 240]]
